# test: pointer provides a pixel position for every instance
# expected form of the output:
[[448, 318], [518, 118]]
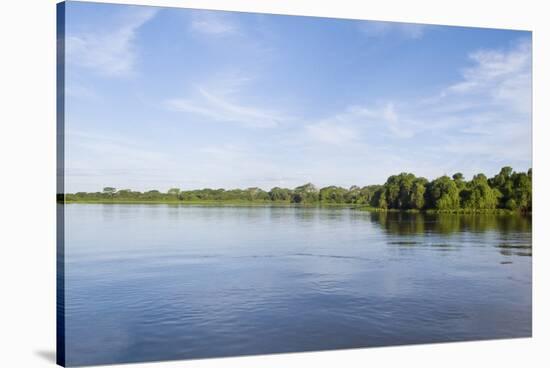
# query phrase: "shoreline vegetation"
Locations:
[[507, 192]]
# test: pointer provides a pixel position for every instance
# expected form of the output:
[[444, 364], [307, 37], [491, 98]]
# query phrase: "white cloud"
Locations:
[[93, 161], [467, 129], [399, 127], [355, 121], [504, 76], [326, 132], [484, 121], [375, 29], [110, 52], [212, 23], [222, 107]]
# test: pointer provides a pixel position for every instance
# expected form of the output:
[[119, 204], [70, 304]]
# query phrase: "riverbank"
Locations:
[[459, 211], [213, 203], [360, 207]]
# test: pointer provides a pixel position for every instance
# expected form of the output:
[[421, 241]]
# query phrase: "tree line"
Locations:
[[508, 190]]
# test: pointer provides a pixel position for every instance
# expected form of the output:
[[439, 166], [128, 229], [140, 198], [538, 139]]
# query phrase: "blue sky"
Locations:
[[166, 97]]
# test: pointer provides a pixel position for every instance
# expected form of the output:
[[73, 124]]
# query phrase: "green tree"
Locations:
[[306, 193], [174, 191], [402, 193], [280, 194], [479, 195], [522, 194], [109, 191], [418, 192], [459, 181], [443, 194], [256, 194], [332, 194], [353, 194], [379, 199], [367, 195]]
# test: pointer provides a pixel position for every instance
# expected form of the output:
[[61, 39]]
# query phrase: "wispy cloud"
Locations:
[[375, 29], [357, 122], [486, 121], [109, 52], [482, 118], [213, 23], [97, 160], [504, 76], [326, 132], [221, 101]]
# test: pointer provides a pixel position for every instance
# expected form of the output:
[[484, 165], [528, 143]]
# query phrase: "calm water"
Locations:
[[155, 282]]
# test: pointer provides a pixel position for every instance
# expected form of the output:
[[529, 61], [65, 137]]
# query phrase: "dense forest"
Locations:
[[508, 190]]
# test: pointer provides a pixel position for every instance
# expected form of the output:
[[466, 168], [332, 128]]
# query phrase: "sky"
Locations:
[[157, 98]]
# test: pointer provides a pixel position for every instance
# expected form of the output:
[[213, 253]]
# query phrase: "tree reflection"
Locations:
[[402, 223]]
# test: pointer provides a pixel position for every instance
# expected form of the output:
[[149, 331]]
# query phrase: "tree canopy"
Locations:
[[508, 190]]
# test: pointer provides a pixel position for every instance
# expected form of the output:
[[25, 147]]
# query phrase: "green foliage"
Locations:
[[333, 194], [506, 191], [379, 199], [418, 192], [110, 191], [280, 194], [515, 189], [459, 181], [367, 195], [458, 177], [479, 195], [306, 193], [443, 194], [403, 191], [173, 191]]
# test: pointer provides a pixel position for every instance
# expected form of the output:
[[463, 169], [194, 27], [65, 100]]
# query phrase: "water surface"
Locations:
[[159, 282]]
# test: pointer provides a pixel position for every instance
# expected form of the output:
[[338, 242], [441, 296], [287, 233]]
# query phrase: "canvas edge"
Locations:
[[60, 184]]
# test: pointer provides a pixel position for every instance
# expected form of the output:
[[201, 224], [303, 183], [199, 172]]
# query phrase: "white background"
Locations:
[[27, 181]]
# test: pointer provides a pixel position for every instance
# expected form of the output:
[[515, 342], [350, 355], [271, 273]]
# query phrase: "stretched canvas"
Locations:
[[234, 183]]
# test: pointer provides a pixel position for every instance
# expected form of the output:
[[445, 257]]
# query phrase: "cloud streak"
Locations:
[[109, 52], [234, 100], [221, 107], [504, 76], [482, 118], [213, 24]]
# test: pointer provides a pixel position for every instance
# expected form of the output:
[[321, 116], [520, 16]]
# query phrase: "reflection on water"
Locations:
[[155, 282], [420, 223]]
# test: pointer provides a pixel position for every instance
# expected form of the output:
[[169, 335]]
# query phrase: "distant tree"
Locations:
[[124, 193], [379, 198], [174, 191], [479, 195], [332, 194], [459, 181], [109, 191], [511, 204], [256, 194], [522, 195], [306, 193], [352, 195], [507, 190], [418, 192], [280, 194], [515, 188], [367, 195], [443, 194], [402, 191], [458, 177], [405, 182]]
